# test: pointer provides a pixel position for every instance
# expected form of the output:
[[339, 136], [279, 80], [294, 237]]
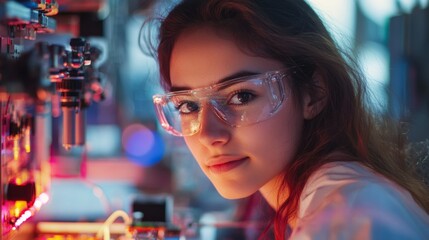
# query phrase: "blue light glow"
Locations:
[[142, 146]]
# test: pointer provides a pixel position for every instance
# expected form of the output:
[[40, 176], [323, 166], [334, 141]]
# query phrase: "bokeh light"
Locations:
[[374, 60], [142, 145], [381, 11], [339, 17]]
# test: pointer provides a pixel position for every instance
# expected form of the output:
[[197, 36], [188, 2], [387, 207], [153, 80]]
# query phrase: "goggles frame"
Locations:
[[273, 80]]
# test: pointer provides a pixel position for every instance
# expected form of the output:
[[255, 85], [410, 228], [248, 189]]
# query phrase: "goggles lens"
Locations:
[[238, 102]]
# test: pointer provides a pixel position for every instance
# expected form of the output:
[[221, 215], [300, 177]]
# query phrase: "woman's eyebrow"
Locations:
[[224, 79]]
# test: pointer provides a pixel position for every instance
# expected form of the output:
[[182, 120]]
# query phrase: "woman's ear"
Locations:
[[314, 101]]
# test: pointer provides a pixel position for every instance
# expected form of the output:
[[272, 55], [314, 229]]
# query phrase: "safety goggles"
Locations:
[[238, 102]]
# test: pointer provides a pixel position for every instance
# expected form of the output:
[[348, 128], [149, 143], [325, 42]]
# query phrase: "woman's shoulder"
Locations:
[[338, 175], [348, 195], [351, 184], [345, 173]]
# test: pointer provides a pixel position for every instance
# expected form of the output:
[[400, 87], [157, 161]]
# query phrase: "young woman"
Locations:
[[266, 102]]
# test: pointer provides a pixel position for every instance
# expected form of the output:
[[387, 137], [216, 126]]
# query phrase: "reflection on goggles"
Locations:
[[238, 102]]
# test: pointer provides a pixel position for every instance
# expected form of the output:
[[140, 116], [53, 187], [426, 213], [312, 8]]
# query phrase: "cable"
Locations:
[[104, 230], [98, 192]]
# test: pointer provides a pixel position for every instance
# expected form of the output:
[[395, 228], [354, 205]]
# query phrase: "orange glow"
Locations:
[[147, 231], [22, 178], [17, 208], [16, 148], [27, 141], [40, 200]]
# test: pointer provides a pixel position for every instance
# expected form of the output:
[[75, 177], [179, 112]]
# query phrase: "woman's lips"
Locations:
[[225, 165]]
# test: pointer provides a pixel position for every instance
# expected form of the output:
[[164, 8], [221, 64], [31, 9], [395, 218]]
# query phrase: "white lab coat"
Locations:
[[345, 200]]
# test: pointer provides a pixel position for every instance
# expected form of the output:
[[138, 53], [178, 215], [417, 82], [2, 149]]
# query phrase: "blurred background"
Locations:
[[96, 146]]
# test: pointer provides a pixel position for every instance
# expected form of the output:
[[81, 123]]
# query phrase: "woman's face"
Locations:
[[238, 160]]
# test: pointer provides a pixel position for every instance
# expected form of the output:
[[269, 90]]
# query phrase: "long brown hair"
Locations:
[[291, 32]]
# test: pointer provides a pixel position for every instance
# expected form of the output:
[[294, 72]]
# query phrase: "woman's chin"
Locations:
[[234, 193]]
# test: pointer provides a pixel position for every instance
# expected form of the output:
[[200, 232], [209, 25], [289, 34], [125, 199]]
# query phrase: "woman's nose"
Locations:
[[213, 130]]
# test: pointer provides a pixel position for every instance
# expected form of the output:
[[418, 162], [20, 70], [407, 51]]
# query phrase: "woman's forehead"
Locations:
[[201, 58]]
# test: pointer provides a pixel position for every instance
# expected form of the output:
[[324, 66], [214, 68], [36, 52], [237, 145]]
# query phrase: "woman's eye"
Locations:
[[187, 107], [241, 98]]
